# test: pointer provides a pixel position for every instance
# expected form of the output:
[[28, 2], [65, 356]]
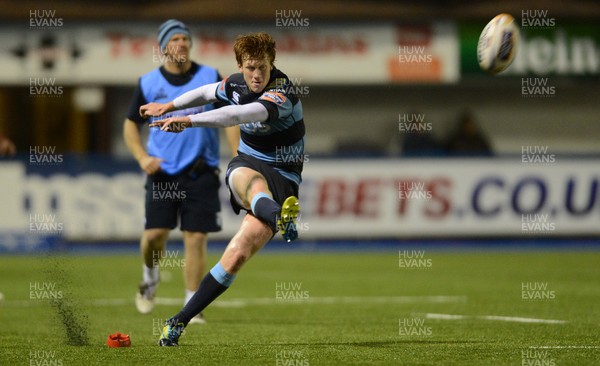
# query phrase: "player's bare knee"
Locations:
[[194, 239], [156, 237]]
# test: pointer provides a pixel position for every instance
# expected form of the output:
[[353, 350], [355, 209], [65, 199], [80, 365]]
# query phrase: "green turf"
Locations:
[[347, 314]]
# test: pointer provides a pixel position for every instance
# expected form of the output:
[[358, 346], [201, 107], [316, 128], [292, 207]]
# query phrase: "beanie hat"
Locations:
[[168, 29]]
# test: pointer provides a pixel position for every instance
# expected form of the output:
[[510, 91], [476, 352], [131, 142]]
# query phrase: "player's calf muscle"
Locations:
[[256, 183], [251, 237], [238, 259], [235, 256]]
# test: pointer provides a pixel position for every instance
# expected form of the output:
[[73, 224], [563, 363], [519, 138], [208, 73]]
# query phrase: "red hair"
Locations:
[[254, 46]]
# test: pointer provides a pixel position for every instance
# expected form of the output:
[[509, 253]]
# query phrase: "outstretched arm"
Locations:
[[200, 96], [227, 116]]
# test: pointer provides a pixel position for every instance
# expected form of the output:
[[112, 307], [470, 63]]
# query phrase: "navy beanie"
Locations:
[[168, 29]]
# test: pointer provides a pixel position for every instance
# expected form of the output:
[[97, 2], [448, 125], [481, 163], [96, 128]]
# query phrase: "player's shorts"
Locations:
[[191, 196], [280, 187]]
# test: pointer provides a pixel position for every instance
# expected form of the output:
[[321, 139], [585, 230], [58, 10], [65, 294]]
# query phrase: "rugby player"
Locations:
[[264, 178], [182, 170]]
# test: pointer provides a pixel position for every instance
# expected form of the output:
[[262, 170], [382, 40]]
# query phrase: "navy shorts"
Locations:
[[192, 198], [280, 187]]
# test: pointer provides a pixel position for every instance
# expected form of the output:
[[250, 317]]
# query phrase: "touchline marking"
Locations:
[[445, 316], [517, 319], [109, 302], [564, 347], [241, 302], [331, 300], [514, 319]]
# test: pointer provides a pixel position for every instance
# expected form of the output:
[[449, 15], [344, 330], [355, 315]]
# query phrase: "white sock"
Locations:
[[151, 274], [188, 295]]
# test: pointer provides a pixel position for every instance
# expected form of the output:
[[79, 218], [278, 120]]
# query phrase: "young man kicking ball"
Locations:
[[264, 178], [185, 165]]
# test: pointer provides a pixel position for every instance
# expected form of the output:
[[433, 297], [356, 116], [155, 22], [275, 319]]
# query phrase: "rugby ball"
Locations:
[[498, 43]]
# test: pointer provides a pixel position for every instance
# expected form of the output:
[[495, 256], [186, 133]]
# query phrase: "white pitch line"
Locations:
[[445, 316], [242, 302], [326, 300], [109, 302], [565, 347], [515, 319], [518, 319], [93, 302]]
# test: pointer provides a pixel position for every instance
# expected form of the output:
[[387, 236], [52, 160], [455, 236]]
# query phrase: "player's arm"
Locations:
[[200, 96], [231, 115], [132, 137], [133, 140], [232, 134]]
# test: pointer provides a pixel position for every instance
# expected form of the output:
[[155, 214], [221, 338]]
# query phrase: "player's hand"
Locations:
[[150, 164], [173, 124], [155, 109]]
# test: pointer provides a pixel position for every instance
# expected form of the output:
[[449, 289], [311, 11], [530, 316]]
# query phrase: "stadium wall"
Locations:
[[531, 195]]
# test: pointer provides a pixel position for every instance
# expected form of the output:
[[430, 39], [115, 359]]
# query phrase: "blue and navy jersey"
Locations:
[[278, 141], [178, 150]]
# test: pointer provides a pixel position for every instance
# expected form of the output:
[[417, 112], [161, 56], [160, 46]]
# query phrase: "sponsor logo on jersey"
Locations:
[[274, 97]]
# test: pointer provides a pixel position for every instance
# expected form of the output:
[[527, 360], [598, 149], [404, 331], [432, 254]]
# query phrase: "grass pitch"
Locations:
[[462, 308]]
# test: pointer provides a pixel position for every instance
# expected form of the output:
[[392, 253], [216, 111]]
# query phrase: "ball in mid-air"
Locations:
[[497, 44]]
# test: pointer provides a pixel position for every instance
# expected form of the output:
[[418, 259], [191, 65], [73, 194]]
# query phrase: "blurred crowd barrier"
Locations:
[[71, 53], [535, 194]]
